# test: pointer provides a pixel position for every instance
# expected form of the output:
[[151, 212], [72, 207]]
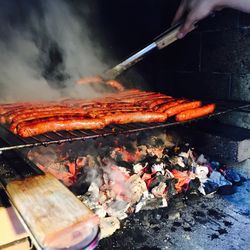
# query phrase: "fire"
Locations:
[[118, 180]]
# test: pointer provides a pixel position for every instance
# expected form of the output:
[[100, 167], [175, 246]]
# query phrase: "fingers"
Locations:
[[188, 26], [180, 12], [195, 15]]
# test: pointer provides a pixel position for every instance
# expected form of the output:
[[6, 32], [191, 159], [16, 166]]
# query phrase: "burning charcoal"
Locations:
[[94, 192], [171, 187], [201, 172], [137, 188], [168, 175], [108, 226], [160, 190], [100, 211], [164, 202], [80, 162], [118, 209], [158, 168], [125, 164], [149, 161], [208, 187], [146, 196], [91, 161], [137, 168], [193, 187], [155, 181], [157, 152], [183, 180], [177, 163], [202, 160], [81, 186]]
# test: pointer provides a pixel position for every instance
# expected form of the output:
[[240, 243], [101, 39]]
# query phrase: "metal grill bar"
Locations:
[[9, 141]]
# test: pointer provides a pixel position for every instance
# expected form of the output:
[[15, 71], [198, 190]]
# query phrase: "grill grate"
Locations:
[[9, 141]]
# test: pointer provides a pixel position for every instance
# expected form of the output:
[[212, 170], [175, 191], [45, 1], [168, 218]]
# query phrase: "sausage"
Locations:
[[115, 84], [160, 101], [143, 116], [182, 107], [165, 106], [45, 114], [195, 113], [28, 129], [10, 106], [10, 115], [90, 79]]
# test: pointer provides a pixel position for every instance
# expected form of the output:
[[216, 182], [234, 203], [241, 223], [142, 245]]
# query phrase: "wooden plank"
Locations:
[[54, 216]]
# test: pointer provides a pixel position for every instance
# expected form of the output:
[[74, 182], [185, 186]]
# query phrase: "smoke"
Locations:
[[44, 48]]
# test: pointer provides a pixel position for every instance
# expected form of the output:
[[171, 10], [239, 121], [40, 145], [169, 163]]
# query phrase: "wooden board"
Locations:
[[54, 216]]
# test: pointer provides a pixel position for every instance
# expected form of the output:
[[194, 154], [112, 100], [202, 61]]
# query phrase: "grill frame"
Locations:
[[10, 141]]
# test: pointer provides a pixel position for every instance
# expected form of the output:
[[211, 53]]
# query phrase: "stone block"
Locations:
[[223, 20], [224, 143], [226, 51], [236, 118], [241, 87], [242, 168]]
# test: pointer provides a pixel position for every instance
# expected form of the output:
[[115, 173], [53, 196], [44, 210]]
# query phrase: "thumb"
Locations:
[[187, 27]]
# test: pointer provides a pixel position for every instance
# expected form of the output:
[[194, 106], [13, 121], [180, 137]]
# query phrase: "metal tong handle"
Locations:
[[169, 36], [160, 42]]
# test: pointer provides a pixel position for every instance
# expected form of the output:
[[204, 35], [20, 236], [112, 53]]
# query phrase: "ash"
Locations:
[[121, 176]]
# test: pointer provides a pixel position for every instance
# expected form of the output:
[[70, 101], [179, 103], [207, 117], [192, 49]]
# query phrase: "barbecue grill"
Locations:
[[9, 141], [194, 50]]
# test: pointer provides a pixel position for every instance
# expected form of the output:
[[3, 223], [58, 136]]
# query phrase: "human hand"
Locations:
[[196, 10]]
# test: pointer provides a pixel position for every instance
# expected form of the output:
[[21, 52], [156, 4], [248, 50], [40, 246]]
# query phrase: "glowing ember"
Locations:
[[115, 181]]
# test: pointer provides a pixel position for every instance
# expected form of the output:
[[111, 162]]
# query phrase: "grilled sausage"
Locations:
[[160, 101], [182, 107], [115, 84], [27, 129], [51, 108], [44, 114], [90, 79], [143, 116], [195, 113], [166, 106]]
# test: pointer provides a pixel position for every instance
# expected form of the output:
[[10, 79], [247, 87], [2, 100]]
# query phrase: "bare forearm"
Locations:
[[198, 9], [242, 5]]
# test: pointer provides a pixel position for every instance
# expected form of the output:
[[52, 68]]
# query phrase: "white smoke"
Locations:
[[24, 54]]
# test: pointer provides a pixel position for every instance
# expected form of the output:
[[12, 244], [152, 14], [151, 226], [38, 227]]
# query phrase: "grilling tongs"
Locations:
[[160, 42]]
